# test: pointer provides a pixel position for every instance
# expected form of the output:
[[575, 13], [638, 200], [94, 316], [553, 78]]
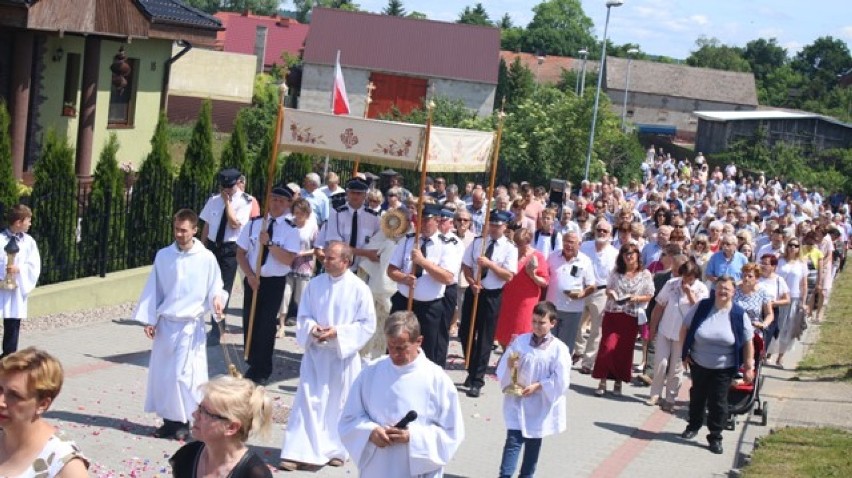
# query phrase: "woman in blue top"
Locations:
[[717, 341]]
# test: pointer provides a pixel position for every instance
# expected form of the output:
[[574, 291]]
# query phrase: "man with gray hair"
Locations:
[[319, 201], [402, 417]]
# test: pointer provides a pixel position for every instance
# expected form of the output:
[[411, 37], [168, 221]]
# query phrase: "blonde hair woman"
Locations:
[[231, 410]]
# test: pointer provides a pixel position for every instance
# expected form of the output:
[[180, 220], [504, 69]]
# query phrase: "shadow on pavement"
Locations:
[[123, 425], [140, 358]]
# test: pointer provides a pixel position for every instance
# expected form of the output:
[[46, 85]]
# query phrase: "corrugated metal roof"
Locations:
[[177, 13], [282, 35], [766, 114], [404, 45], [549, 70], [682, 81]]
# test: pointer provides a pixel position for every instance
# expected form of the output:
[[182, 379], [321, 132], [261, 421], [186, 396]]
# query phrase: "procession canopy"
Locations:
[[386, 143]]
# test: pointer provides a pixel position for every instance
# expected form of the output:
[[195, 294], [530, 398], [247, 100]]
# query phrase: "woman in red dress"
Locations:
[[523, 292], [628, 290]]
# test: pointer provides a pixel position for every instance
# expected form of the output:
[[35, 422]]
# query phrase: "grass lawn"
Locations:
[[817, 452], [831, 357], [179, 136]]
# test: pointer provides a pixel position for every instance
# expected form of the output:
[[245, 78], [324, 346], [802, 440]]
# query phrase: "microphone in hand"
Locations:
[[408, 418]]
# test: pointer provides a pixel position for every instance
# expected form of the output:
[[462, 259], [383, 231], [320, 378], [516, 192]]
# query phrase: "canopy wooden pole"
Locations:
[[370, 87], [419, 224], [273, 158], [475, 307]]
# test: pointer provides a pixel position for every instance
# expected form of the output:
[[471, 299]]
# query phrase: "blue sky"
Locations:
[[670, 27]]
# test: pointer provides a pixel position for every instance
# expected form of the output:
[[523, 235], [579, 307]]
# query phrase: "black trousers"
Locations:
[[709, 393], [433, 326], [269, 297], [486, 323], [11, 331], [226, 256], [450, 301]]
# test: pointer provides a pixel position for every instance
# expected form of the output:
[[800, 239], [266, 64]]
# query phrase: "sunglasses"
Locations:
[[604, 231], [793, 245], [462, 220]]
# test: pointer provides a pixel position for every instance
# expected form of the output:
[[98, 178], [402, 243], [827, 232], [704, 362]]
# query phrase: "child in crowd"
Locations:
[[543, 371], [21, 272], [546, 238]]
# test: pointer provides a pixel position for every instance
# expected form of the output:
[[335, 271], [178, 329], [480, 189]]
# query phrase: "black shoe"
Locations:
[[466, 382], [474, 392], [289, 322], [182, 432], [168, 429], [689, 434], [213, 340], [716, 447]]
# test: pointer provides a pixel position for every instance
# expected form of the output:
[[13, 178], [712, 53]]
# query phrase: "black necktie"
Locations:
[[223, 223], [269, 230], [489, 251], [353, 238], [418, 271]]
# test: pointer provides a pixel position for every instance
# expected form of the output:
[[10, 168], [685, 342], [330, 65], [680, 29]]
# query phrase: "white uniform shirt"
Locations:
[[215, 207], [505, 255], [576, 274], [284, 236], [427, 287], [339, 228], [543, 243], [603, 261]]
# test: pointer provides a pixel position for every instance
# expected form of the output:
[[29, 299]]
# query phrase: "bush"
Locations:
[[102, 233], [197, 173], [235, 153], [54, 208], [8, 186]]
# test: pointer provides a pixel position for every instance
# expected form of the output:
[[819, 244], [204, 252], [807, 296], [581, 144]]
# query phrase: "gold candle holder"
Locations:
[[514, 389], [11, 250]]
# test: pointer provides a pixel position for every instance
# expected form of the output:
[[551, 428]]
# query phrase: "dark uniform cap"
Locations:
[[447, 213], [229, 177], [282, 191], [499, 217], [431, 210], [357, 185]]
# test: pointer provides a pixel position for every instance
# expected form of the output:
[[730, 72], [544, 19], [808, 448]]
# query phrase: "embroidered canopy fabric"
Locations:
[[386, 143]]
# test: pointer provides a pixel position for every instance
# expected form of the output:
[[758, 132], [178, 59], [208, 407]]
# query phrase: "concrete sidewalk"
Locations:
[[106, 368]]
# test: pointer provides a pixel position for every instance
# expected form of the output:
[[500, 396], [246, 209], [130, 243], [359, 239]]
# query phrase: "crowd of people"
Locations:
[[689, 263]]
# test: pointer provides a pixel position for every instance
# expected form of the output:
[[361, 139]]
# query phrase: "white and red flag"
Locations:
[[339, 100]]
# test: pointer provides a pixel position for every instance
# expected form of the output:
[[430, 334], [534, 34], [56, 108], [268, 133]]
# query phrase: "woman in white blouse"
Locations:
[[793, 269]]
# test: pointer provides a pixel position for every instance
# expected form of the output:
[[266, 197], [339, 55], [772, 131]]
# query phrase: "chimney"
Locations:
[[260, 46]]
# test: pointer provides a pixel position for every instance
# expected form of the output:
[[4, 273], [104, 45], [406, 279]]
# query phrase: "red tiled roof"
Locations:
[[404, 45], [550, 69], [283, 35]]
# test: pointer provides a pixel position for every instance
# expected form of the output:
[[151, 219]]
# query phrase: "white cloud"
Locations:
[[846, 32], [700, 19], [792, 47]]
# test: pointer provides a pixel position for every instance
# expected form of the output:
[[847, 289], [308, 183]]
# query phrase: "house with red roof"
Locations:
[[283, 35], [406, 59], [545, 69]]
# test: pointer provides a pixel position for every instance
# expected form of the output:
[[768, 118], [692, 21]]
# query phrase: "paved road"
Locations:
[[102, 401]]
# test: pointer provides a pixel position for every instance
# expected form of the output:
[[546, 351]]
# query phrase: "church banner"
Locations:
[[386, 143]]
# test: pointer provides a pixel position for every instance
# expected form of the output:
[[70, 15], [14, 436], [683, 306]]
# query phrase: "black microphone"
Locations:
[[408, 418]]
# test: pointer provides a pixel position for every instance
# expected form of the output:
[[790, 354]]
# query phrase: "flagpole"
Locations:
[[273, 157], [419, 224], [473, 311], [370, 87]]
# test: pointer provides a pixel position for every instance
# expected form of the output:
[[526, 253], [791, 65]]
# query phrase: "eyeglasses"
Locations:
[[679, 226], [603, 231], [462, 220], [204, 411], [793, 245], [630, 253]]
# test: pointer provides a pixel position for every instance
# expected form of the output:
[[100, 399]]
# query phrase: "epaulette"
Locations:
[[341, 208], [289, 221], [447, 240], [375, 213], [247, 198]]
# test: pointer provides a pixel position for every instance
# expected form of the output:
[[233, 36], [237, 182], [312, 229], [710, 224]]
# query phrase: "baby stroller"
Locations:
[[743, 396]]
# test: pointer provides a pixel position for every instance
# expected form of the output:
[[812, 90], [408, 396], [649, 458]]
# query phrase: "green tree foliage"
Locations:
[[8, 185], [764, 57], [520, 82], [235, 153], [537, 149], [711, 53], [102, 233], [55, 208], [258, 7], [195, 180], [502, 84], [474, 16], [150, 217], [417, 15], [559, 27], [304, 7], [394, 8], [451, 113], [821, 62], [260, 116], [778, 86], [257, 178]]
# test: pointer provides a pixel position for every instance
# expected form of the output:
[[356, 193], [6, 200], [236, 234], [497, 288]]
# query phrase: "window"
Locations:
[[122, 101], [72, 85]]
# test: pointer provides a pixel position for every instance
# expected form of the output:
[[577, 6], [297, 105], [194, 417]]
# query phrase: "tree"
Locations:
[[512, 39], [417, 15], [149, 220], [474, 16], [258, 7], [8, 185], [711, 53], [821, 62], [764, 57], [520, 82], [54, 207], [195, 180], [505, 22], [102, 236], [779, 87], [304, 7], [559, 27], [394, 8], [235, 153]]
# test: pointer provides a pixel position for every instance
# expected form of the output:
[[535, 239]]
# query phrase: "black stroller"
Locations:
[[742, 396]]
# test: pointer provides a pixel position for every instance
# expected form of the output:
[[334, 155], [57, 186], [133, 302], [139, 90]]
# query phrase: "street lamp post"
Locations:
[[581, 79], [609, 5], [630, 54]]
